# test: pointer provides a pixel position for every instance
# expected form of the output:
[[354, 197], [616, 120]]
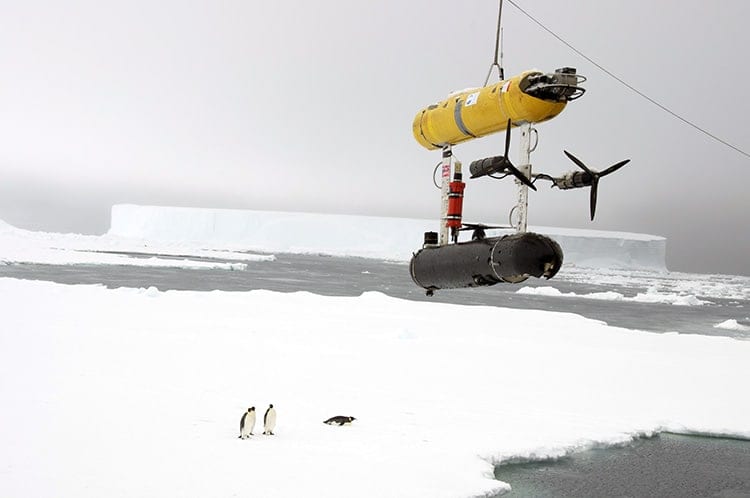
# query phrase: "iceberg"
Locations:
[[361, 236]]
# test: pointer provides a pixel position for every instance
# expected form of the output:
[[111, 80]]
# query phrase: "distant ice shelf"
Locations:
[[359, 236]]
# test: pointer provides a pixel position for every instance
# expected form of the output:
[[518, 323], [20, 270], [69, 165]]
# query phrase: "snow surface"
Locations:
[[136, 392], [364, 236]]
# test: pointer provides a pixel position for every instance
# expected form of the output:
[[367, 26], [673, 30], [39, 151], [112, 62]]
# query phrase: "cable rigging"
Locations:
[[626, 84], [498, 48]]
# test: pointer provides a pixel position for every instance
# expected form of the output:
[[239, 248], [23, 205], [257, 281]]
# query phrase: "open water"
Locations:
[[668, 465], [663, 466]]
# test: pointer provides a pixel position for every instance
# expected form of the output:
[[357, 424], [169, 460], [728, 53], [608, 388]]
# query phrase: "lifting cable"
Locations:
[[624, 83], [498, 49]]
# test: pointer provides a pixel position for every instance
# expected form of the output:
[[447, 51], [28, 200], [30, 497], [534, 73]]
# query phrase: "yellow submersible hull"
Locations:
[[530, 97]]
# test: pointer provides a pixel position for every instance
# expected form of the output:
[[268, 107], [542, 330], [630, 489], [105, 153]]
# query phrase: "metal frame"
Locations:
[[444, 237], [524, 166]]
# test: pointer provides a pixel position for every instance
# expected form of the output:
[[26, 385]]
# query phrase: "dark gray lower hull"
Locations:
[[511, 258]]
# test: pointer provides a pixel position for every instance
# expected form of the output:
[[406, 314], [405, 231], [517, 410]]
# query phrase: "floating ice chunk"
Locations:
[[675, 299], [542, 291], [647, 297], [732, 325]]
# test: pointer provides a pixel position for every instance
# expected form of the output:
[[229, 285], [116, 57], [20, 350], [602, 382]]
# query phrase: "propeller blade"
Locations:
[[507, 140], [594, 193], [614, 168], [519, 175], [509, 166], [593, 178], [578, 162], [474, 226]]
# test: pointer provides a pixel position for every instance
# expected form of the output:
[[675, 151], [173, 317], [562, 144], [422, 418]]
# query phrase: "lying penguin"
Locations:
[[340, 420]]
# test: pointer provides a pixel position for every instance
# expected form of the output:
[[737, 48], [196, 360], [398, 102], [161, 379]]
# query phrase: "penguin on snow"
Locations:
[[247, 422], [269, 420], [340, 420]]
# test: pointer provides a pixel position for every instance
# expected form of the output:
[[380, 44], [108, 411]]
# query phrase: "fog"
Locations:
[[307, 106]]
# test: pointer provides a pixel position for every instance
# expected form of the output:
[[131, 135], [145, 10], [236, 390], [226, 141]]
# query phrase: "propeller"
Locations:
[[590, 178], [499, 164]]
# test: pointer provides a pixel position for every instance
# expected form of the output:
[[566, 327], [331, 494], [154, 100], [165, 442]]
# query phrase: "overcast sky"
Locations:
[[308, 106]]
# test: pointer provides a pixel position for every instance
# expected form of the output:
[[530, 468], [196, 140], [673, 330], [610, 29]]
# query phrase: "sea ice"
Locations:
[[136, 392]]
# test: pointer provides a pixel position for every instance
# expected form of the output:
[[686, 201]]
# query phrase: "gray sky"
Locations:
[[307, 106]]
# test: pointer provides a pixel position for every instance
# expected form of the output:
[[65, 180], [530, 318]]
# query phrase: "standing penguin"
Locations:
[[247, 422], [269, 420]]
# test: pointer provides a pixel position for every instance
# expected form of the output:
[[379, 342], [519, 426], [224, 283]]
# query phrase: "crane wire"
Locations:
[[497, 48], [627, 85]]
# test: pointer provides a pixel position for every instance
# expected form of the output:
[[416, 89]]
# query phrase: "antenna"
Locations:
[[502, 72]]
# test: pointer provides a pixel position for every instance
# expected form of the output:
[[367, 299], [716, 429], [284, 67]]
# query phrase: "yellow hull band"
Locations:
[[478, 112]]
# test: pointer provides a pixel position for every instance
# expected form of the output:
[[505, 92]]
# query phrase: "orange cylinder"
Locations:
[[455, 204]]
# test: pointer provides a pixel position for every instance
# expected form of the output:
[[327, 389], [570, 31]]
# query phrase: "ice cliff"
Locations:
[[363, 236]]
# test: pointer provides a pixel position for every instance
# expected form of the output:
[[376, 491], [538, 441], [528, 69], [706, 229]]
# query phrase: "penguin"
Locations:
[[340, 420], [269, 420], [247, 422]]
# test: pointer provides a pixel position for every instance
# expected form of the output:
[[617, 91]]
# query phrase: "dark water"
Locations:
[[664, 466], [668, 465], [337, 276]]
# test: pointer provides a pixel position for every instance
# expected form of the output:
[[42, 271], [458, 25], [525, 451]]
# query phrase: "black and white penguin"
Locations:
[[247, 423], [269, 420], [340, 420]]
